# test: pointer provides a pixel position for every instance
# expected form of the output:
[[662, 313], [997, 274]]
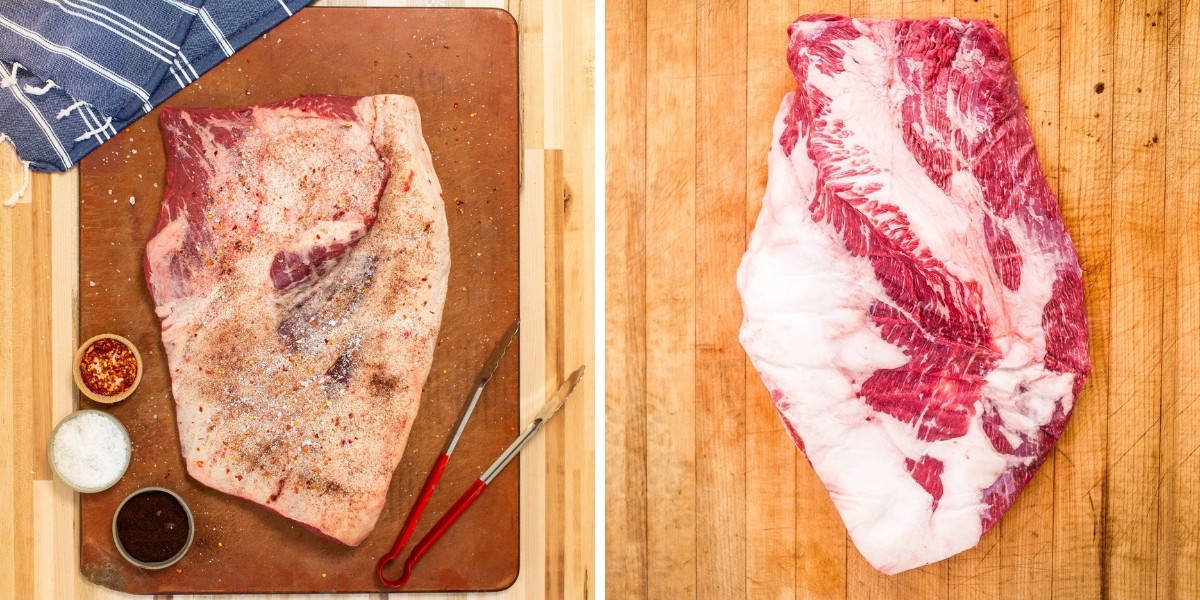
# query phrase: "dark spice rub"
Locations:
[[152, 526]]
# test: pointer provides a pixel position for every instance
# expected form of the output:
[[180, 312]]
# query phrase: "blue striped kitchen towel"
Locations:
[[75, 72]]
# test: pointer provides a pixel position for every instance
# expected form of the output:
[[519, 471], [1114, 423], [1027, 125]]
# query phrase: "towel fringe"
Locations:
[[66, 111], [9, 79], [12, 200], [33, 91]]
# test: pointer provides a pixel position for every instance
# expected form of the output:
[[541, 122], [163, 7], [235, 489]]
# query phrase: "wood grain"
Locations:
[[670, 207], [1131, 547], [1085, 194], [38, 273], [720, 190], [1112, 514], [1179, 504], [626, 535]]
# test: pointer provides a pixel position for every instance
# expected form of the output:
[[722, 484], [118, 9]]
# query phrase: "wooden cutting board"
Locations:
[[461, 67], [1112, 91]]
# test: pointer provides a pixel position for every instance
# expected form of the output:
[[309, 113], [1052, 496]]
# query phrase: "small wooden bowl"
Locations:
[[83, 388]]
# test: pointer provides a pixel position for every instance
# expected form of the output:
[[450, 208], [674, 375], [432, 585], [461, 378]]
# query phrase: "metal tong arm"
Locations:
[[489, 369]]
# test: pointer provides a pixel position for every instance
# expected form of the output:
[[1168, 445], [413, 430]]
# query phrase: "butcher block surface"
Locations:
[[461, 68], [707, 497]]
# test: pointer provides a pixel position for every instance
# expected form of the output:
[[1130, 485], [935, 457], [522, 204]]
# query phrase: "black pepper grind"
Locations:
[[152, 526]]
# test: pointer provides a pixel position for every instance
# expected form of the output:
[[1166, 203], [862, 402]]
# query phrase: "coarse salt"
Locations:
[[90, 451]]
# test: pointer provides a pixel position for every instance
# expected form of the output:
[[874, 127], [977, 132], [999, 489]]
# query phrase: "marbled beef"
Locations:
[[911, 297]]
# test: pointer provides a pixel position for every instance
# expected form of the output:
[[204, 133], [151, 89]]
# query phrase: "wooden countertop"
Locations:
[[38, 273], [706, 495]]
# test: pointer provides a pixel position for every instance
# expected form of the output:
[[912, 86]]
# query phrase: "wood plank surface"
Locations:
[[1139, 103], [1112, 90], [1085, 192], [670, 206], [626, 534], [720, 235], [38, 273], [1179, 510]]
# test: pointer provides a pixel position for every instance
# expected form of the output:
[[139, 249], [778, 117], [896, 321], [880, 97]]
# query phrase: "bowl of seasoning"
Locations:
[[108, 368], [89, 451], [153, 528]]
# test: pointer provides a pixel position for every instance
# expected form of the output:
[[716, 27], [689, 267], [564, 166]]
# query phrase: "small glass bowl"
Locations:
[[178, 555], [54, 467]]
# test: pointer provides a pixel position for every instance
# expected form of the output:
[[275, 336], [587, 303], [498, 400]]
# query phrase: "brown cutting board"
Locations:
[[461, 67]]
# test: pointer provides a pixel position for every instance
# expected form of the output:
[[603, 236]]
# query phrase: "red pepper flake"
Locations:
[[108, 367]]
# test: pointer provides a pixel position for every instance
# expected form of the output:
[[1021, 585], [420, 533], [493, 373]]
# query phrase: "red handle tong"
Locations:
[[439, 466], [551, 407]]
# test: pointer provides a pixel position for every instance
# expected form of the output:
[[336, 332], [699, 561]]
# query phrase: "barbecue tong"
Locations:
[[431, 481], [460, 506]]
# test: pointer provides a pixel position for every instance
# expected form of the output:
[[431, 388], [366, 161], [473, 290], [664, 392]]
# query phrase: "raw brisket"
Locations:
[[912, 299], [299, 267]]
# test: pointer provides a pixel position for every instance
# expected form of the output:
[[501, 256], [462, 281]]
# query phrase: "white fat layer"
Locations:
[[806, 329]]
